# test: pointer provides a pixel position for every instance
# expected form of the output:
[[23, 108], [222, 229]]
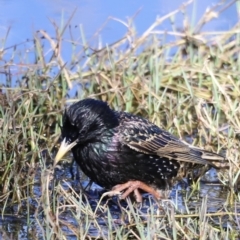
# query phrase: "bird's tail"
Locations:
[[214, 159]]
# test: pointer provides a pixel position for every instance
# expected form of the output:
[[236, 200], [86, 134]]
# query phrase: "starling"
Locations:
[[127, 153]]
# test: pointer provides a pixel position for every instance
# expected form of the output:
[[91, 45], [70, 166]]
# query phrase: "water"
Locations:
[[24, 19], [102, 22], [15, 225]]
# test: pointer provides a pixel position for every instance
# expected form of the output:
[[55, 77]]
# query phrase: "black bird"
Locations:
[[126, 152]]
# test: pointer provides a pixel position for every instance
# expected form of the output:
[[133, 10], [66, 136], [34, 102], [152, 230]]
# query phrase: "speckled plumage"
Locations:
[[116, 147]]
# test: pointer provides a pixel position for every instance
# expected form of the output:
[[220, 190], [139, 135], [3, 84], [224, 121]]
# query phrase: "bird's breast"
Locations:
[[99, 161]]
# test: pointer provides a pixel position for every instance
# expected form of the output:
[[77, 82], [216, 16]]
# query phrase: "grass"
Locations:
[[189, 86]]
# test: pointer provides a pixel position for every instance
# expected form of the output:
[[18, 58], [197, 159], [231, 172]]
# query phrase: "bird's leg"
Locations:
[[134, 186], [137, 195]]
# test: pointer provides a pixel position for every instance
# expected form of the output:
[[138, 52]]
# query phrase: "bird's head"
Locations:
[[83, 122]]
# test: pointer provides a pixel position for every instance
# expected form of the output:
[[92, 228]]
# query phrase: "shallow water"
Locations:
[[16, 225]]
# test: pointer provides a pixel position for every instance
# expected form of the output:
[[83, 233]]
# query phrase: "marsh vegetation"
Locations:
[[184, 80]]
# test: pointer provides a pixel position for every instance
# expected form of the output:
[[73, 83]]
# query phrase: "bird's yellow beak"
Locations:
[[64, 148]]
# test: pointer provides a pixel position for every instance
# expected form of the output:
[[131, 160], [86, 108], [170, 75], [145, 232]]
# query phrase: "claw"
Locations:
[[133, 186]]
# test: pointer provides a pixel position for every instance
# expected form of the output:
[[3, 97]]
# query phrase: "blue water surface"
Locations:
[[26, 17], [100, 22]]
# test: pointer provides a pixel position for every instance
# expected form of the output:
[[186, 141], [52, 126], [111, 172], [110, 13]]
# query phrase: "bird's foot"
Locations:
[[133, 186]]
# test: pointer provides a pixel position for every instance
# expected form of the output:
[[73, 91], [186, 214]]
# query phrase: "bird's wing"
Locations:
[[143, 136]]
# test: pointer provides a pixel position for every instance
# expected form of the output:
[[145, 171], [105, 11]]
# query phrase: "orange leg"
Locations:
[[133, 186]]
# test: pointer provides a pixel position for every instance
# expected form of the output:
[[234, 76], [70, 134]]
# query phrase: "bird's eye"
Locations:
[[83, 131]]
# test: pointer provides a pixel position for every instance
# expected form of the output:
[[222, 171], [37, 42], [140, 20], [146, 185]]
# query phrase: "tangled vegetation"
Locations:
[[188, 85]]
